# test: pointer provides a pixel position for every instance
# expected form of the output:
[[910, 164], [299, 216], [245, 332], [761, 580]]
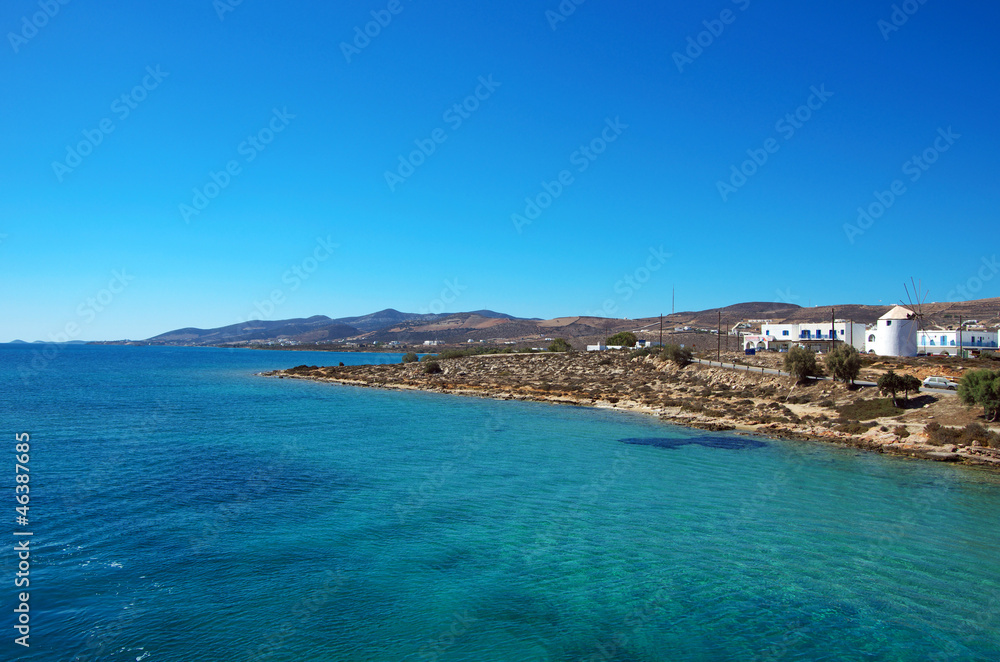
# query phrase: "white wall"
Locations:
[[971, 339], [895, 338], [845, 333]]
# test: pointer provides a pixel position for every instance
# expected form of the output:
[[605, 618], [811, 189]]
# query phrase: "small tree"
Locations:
[[560, 345], [844, 362], [432, 368], [890, 383], [679, 355], [910, 383], [623, 338], [801, 363], [982, 387], [410, 357]]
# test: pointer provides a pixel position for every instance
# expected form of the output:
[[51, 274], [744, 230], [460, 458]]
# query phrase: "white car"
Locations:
[[939, 382]]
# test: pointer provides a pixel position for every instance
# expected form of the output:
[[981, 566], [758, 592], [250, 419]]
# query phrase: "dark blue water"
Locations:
[[185, 509]]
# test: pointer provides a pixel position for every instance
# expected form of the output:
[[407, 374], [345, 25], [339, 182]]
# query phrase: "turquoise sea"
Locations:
[[185, 509]]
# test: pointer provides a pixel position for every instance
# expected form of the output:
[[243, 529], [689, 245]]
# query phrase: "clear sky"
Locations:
[[192, 163]]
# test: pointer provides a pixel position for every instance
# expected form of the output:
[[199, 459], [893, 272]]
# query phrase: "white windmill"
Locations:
[[896, 334]]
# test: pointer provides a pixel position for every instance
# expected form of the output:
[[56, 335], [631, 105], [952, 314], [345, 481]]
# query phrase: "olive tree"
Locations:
[[982, 387], [844, 362], [801, 363]]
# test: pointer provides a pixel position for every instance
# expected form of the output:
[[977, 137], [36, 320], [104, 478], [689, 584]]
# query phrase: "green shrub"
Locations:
[[801, 363], [901, 431], [432, 368], [410, 357], [679, 355], [866, 410], [623, 338], [939, 435], [560, 345], [855, 427]]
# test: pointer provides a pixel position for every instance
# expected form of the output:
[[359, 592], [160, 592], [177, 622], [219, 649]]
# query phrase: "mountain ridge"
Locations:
[[487, 326]]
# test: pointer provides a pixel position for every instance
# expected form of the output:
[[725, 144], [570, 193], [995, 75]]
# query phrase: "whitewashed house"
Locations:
[[817, 336], [949, 341]]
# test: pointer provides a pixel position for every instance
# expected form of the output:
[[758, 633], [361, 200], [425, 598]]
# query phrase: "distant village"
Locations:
[[898, 332]]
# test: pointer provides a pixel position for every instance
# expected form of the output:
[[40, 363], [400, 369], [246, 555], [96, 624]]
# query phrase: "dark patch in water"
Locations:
[[725, 443]]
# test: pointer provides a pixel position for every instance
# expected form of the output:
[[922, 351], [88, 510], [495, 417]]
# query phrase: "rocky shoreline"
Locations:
[[696, 396]]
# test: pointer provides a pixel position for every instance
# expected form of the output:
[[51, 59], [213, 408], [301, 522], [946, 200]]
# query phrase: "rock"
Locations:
[[941, 456]]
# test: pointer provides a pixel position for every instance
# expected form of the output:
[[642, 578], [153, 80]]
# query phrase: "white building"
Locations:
[[639, 344], [948, 341], [816, 336], [894, 334]]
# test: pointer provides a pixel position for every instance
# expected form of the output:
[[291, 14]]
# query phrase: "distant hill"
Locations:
[[321, 328], [384, 318], [312, 329], [488, 326]]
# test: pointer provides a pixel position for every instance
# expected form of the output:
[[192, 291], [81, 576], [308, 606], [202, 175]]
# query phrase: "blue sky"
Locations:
[[118, 117]]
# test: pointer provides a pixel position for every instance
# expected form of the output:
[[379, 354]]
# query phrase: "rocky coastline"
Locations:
[[694, 395]]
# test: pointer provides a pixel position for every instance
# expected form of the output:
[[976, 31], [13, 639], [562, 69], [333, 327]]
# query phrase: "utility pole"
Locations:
[[718, 339], [833, 328], [960, 323], [661, 329], [851, 322], [673, 299]]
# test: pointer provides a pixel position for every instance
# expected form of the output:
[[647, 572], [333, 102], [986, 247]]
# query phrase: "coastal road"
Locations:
[[773, 371]]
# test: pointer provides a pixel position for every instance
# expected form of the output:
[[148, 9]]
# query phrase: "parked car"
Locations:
[[939, 382]]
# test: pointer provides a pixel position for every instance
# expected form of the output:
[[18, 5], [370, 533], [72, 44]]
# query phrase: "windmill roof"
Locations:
[[898, 313]]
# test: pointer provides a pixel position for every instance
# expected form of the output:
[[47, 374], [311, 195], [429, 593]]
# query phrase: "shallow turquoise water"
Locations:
[[185, 509]]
